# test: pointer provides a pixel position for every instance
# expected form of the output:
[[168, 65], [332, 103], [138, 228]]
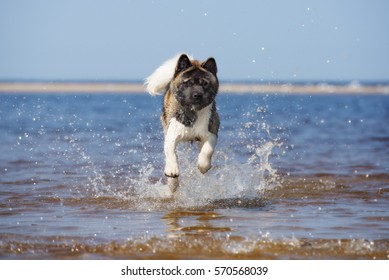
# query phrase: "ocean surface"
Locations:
[[293, 177]]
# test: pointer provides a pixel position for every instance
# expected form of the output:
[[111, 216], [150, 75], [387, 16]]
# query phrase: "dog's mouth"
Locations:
[[198, 100], [198, 104]]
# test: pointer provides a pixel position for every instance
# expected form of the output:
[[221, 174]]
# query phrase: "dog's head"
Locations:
[[195, 83]]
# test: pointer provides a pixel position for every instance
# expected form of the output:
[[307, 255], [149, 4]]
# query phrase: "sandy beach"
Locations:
[[232, 88]]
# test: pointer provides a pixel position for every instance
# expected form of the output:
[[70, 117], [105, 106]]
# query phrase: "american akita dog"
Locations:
[[189, 110]]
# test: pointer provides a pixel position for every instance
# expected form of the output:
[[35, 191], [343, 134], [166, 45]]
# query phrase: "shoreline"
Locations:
[[230, 88]]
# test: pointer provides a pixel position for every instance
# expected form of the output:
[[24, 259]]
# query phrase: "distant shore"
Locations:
[[232, 88]]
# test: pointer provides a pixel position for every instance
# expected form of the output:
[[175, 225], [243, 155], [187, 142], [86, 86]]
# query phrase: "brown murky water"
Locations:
[[293, 178]]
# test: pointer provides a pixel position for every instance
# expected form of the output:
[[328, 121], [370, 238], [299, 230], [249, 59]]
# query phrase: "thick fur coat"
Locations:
[[189, 110]]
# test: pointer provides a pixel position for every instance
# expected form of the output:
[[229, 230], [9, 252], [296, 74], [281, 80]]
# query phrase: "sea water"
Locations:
[[293, 176]]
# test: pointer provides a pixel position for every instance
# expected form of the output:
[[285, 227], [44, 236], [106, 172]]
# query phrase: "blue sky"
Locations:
[[251, 40]]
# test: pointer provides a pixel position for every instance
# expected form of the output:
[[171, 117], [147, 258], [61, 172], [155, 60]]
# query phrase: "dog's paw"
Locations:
[[171, 171], [203, 165], [204, 169]]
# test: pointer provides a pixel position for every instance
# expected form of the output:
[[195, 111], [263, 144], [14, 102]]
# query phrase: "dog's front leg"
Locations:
[[207, 148], [172, 137], [171, 163]]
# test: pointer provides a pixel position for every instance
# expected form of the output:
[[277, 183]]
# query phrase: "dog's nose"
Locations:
[[197, 95]]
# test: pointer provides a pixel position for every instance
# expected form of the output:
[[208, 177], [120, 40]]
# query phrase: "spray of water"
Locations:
[[228, 184], [233, 181]]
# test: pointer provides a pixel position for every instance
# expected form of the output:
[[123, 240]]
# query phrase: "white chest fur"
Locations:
[[198, 130]]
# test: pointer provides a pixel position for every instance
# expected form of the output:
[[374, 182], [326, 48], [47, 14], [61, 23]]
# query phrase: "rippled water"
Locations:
[[294, 177]]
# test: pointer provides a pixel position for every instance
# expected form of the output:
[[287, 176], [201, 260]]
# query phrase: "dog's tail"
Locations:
[[158, 82]]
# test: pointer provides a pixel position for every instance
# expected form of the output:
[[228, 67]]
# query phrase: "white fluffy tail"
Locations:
[[158, 82]]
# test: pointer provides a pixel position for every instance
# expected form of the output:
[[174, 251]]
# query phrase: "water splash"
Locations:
[[229, 183]]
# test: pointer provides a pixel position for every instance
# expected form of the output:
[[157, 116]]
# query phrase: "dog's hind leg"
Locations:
[[207, 148]]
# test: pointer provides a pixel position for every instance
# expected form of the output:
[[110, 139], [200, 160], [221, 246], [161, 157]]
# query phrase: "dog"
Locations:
[[189, 109]]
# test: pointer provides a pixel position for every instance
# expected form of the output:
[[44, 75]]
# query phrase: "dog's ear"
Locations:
[[210, 65], [182, 64]]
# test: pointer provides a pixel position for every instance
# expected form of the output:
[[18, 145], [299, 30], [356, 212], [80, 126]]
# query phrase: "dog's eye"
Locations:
[[204, 82], [188, 82]]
